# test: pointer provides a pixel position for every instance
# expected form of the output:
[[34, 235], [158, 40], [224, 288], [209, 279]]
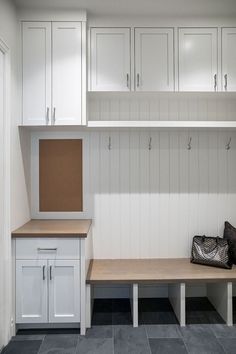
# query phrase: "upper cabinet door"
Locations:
[[198, 59], [229, 59], [110, 59], [36, 53], [154, 59], [64, 291], [66, 73], [31, 291]]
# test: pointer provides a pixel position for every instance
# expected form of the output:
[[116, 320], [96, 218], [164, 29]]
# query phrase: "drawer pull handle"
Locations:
[[50, 271], [47, 249]]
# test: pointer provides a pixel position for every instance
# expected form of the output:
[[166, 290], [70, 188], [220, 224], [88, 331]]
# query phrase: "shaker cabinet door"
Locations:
[[110, 59], [229, 59], [198, 59], [36, 72], [154, 59], [66, 73], [31, 291], [64, 291]]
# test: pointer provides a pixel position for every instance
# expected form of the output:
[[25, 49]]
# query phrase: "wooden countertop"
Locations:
[[54, 228], [155, 270]]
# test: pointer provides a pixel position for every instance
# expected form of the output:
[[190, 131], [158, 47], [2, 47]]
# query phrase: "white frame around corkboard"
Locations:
[[35, 210]]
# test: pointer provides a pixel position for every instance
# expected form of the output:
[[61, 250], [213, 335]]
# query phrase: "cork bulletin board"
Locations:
[[60, 175]]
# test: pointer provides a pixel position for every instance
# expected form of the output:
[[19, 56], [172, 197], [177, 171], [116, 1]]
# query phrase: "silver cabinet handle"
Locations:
[[47, 116], [215, 82], [44, 272], [127, 80], [226, 82], [54, 115], [138, 80], [46, 249], [50, 272]]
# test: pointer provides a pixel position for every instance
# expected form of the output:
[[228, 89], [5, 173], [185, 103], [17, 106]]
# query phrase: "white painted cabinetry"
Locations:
[[31, 291], [52, 71], [228, 59], [154, 59], [198, 59], [110, 59], [48, 280], [36, 70]]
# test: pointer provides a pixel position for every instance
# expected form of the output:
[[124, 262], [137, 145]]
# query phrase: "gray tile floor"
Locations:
[[112, 332]]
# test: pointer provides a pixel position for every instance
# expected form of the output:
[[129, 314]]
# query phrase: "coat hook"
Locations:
[[150, 144], [109, 143], [190, 143], [228, 145]]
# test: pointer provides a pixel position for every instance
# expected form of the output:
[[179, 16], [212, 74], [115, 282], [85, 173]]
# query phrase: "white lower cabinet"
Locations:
[[48, 286], [64, 295], [31, 291]]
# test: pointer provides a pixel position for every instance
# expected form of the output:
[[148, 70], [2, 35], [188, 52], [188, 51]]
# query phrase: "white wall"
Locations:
[[19, 212]]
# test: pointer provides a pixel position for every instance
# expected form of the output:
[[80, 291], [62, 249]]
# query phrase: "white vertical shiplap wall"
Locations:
[[150, 203]]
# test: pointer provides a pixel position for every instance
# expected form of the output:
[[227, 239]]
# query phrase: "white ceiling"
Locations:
[[140, 7]]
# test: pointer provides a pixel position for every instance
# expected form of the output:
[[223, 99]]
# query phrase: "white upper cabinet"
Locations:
[[52, 73], [198, 59], [36, 43], [154, 59], [110, 59], [229, 59], [66, 73]]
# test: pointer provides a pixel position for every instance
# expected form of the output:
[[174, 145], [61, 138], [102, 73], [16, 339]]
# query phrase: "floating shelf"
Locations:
[[162, 124]]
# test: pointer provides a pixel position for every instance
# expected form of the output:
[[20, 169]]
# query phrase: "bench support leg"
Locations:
[[89, 305], [220, 295], [134, 304], [177, 300]]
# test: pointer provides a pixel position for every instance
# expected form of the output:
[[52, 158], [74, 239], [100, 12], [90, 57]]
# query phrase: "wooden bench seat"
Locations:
[[175, 272]]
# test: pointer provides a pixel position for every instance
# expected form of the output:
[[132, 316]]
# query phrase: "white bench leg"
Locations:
[[88, 306], [134, 304], [220, 295], [177, 300]]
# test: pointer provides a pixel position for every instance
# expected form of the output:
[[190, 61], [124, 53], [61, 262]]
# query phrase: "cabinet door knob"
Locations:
[[215, 82], [226, 82]]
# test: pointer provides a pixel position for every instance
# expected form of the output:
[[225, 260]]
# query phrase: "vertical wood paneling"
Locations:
[[150, 203]]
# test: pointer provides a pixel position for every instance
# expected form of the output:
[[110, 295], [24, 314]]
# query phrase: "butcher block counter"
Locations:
[[54, 228], [52, 258]]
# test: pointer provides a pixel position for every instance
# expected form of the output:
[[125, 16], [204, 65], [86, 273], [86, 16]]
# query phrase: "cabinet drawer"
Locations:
[[47, 248]]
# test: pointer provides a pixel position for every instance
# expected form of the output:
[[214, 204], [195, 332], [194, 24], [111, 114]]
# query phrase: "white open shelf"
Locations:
[[162, 124]]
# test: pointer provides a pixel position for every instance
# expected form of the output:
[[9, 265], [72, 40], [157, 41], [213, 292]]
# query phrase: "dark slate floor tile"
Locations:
[[198, 303], [102, 318], [229, 345], [200, 339], [28, 337], [122, 318], [155, 305], [199, 310], [100, 332], [163, 331], [121, 305], [23, 347], [59, 344], [224, 331], [157, 318], [129, 340], [167, 346], [102, 305], [95, 346]]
